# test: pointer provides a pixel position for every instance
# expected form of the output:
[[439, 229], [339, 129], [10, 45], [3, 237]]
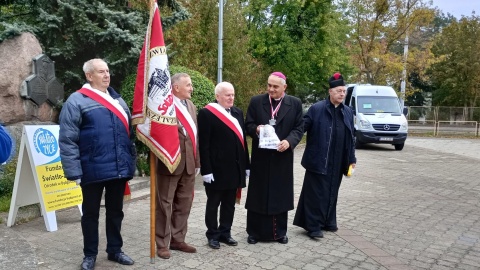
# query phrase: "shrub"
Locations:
[[203, 88], [7, 179]]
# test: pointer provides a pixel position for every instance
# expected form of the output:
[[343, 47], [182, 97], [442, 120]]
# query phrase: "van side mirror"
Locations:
[[405, 111]]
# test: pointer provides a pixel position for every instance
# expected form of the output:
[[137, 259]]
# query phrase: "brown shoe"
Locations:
[[163, 253], [183, 247]]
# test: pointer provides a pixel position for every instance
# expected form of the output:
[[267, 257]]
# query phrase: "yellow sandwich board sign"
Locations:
[[39, 177]]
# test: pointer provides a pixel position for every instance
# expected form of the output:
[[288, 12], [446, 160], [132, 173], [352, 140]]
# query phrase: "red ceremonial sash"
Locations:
[[188, 128], [227, 122], [108, 105], [222, 116]]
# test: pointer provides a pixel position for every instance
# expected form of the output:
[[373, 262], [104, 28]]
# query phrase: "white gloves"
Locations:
[[78, 181], [197, 171], [247, 173], [208, 178]]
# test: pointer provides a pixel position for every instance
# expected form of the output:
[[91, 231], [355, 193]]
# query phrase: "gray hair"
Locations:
[[88, 66], [282, 80], [176, 78], [220, 86]]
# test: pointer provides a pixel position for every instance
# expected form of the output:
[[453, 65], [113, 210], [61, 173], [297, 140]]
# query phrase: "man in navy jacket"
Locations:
[[328, 154], [97, 152]]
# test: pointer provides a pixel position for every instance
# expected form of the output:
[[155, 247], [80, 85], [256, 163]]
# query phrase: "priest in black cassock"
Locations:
[[329, 152], [270, 188]]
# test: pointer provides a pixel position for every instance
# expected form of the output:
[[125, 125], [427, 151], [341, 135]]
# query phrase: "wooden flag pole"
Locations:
[[153, 171], [153, 195]]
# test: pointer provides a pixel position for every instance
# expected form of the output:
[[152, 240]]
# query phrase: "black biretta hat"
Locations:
[[336, 80]]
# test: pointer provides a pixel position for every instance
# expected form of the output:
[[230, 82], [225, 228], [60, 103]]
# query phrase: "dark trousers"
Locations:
[[226, 200], [92, 196]]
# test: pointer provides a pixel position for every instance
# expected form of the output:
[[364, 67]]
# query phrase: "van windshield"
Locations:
[[374, 104]]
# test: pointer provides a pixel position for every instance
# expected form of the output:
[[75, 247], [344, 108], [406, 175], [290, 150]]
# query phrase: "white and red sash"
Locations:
[[107, 101], [115, 107], [187, 121], [227, 119]]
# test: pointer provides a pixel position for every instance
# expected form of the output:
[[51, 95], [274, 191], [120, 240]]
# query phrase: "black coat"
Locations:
[[221, 151], [318, 125], [270, 188]]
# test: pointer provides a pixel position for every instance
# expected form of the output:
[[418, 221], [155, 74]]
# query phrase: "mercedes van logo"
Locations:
[[386, 127]]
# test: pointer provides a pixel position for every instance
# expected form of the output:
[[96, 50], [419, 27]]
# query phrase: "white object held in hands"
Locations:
[[268, 139]]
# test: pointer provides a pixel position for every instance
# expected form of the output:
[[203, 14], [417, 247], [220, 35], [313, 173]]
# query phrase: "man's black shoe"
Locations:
[[251, 240], [120, 258], [229, 241], [283, 240], [89, 262], [331, 229], [213, 243], [315, 234]]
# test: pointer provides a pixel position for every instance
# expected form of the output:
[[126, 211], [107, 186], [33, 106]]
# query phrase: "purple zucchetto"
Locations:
[[279, 74]]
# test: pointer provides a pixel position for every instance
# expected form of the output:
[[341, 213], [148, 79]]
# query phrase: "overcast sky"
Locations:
[[458, 7]]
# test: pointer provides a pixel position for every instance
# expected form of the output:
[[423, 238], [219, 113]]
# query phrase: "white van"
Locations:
[[378, 116]]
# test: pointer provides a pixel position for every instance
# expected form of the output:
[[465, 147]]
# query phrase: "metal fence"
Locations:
[[441, 121]]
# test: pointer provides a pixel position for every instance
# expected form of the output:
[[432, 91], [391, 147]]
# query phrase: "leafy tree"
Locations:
[[304, 39], [421, 57], [73, 31], [379, 29], [455, 74], [195, 45]]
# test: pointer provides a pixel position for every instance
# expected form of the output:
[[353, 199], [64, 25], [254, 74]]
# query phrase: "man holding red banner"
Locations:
[[97, 151], [224, 164], [175, 189]]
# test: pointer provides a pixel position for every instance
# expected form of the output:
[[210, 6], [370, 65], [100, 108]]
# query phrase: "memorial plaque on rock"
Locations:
[[42, 85], [55, 91]]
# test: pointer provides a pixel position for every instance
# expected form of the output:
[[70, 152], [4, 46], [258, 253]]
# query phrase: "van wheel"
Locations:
[[399, 147], [358, 144]]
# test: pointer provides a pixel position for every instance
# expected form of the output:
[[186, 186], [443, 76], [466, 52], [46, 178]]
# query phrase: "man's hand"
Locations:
[[197, 171], [78, 181], [208, 178], [283, 145], [258, 129]]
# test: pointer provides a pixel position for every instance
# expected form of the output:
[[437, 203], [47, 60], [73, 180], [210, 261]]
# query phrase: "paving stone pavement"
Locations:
[[413, 209]]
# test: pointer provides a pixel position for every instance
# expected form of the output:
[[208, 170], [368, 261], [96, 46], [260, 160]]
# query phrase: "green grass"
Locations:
[[5, 203]]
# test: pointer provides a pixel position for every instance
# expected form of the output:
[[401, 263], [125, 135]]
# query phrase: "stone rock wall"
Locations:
[[15, 66]]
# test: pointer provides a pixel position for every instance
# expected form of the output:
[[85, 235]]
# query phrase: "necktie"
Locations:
[[228, 110]]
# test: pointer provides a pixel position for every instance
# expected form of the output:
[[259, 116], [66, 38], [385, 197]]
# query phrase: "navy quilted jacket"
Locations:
[[318, 125], [94, 144]]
